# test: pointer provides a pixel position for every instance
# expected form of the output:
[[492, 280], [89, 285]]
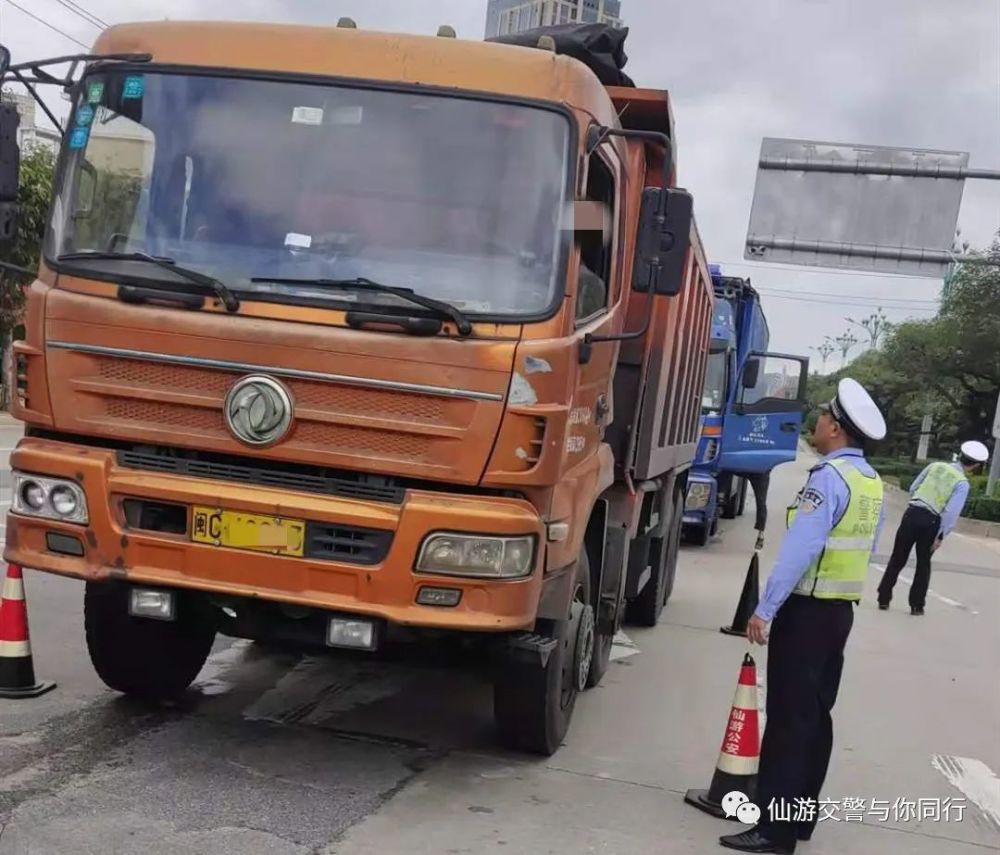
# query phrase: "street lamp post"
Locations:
[[844, 343], [876, 325], [824, 350]]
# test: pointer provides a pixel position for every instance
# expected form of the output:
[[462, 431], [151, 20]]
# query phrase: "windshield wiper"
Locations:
[[462, 323], [220, 289]]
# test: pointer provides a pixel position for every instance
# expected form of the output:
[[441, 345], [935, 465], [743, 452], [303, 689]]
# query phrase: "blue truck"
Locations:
[[752, 408]]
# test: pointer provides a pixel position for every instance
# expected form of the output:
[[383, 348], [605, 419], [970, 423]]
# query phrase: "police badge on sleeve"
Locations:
[[811, 500]]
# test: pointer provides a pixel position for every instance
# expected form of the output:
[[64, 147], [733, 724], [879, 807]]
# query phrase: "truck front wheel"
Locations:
[[149, 659], [534, 702]]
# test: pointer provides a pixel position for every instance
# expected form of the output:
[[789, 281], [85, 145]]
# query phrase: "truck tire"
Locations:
[[533, 703], [602, 641], [644, 610], [698, 534], [730, 507], [673, 547], [148, 659]]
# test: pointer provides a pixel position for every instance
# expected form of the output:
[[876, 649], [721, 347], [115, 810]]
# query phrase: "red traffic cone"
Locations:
[[17, 673], [740, 754]]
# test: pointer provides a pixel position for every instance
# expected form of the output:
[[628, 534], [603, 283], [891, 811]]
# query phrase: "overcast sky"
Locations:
[[917, 73]]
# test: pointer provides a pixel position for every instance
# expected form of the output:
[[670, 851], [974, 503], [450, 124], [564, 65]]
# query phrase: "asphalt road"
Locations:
[[277, 753]]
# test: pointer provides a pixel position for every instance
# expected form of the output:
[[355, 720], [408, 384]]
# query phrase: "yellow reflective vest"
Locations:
[[839, 572], [938, 485]]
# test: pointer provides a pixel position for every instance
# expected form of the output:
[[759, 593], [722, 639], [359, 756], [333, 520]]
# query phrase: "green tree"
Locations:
[[33, 197], [948, 367]]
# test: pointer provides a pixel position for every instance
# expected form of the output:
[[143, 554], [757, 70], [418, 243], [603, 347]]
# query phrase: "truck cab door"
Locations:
[[764, 419]]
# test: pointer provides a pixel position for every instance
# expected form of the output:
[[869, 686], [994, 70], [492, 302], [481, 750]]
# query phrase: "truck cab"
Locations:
[[752, 407], [342, 336]]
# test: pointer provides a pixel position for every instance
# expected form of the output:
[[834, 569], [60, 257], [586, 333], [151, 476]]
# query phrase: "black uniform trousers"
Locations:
[[919, 526], [804, 663]]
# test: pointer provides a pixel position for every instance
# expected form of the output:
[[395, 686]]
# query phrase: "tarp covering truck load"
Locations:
[[341, 332], [752, 408]]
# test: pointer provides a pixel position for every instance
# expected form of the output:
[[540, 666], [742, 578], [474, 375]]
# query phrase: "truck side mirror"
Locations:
[[751, 374], [10, 167], [663, 241], [4, 60]]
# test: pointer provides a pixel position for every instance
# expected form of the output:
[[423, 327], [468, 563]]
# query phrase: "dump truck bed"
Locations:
[[659, 377]]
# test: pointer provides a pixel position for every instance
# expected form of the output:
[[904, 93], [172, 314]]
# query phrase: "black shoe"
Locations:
[[804, 834], [883, 607], [915, 611], [754, 841]]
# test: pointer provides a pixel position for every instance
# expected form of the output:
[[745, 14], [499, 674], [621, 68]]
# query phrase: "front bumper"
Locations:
[[386, 590]]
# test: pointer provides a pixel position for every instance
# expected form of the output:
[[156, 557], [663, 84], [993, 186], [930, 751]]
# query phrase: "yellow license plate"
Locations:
[[248, 531]]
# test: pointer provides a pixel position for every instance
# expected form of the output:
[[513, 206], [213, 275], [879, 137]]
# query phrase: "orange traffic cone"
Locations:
[[17, 673], [740, 754]]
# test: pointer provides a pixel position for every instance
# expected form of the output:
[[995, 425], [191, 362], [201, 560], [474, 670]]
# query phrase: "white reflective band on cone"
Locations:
[[14, 649], [13, 589], [746, 698], [738, 765]]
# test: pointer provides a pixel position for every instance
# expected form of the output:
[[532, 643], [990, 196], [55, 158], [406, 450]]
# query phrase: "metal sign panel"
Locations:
[[856, 207]]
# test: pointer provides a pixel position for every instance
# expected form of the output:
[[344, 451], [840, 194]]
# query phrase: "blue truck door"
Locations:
[[763, 425]]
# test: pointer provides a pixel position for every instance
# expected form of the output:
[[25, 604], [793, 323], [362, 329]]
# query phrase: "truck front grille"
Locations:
[[304, 479], [333, 542]]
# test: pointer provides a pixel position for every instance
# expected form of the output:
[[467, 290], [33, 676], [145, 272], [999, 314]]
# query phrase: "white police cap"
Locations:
[[854, 407], [975, 451]]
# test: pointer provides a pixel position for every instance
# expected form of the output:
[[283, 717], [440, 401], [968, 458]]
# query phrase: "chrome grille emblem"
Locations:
[[258, 410]]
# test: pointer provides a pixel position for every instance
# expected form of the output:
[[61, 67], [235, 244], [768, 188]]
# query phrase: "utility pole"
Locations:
[[876, 325], [824, 351], [995, 465]]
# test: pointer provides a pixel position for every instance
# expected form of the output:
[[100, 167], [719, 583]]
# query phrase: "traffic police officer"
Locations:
[[819, 574], [936, 501]]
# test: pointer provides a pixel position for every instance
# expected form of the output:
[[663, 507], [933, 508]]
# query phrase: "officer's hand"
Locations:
[[757, 630], [936, 545]]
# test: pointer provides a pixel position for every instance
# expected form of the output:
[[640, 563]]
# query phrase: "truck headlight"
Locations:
[[697, 497], [476, 555], [49, 498]]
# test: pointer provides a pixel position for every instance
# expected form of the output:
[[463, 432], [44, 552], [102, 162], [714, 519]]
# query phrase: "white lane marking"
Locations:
[[948, 601], [210, 680], [975, 779], [622, 647]]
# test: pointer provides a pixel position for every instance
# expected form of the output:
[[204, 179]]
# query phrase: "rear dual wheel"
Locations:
[[646, 608]]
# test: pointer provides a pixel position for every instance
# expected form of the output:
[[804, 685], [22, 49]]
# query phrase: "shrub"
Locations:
[[982, 508], [978, 484]]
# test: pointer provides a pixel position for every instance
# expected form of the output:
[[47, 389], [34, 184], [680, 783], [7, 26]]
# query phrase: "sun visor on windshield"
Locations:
[[600, 47]]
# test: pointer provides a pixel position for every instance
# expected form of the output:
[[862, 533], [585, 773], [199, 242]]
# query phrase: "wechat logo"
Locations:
[[736, 804]]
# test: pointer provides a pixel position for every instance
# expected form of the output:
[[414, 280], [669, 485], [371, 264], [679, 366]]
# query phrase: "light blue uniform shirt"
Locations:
[[826, 496], [952, 510]]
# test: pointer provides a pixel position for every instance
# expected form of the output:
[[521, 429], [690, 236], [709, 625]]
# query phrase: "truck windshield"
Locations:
[[714, 396], [455, 198]]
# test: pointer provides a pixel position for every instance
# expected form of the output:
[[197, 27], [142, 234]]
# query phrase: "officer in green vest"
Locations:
[[936, 501], [817, 580]]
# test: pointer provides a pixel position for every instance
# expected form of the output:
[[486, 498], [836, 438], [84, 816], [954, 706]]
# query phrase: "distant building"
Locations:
[[29, 133], [504, 17]]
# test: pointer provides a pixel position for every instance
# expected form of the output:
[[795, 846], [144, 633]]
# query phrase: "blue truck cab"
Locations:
[[752, 408]]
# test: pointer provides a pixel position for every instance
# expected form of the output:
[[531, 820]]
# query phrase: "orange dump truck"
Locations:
[[340, 334]]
